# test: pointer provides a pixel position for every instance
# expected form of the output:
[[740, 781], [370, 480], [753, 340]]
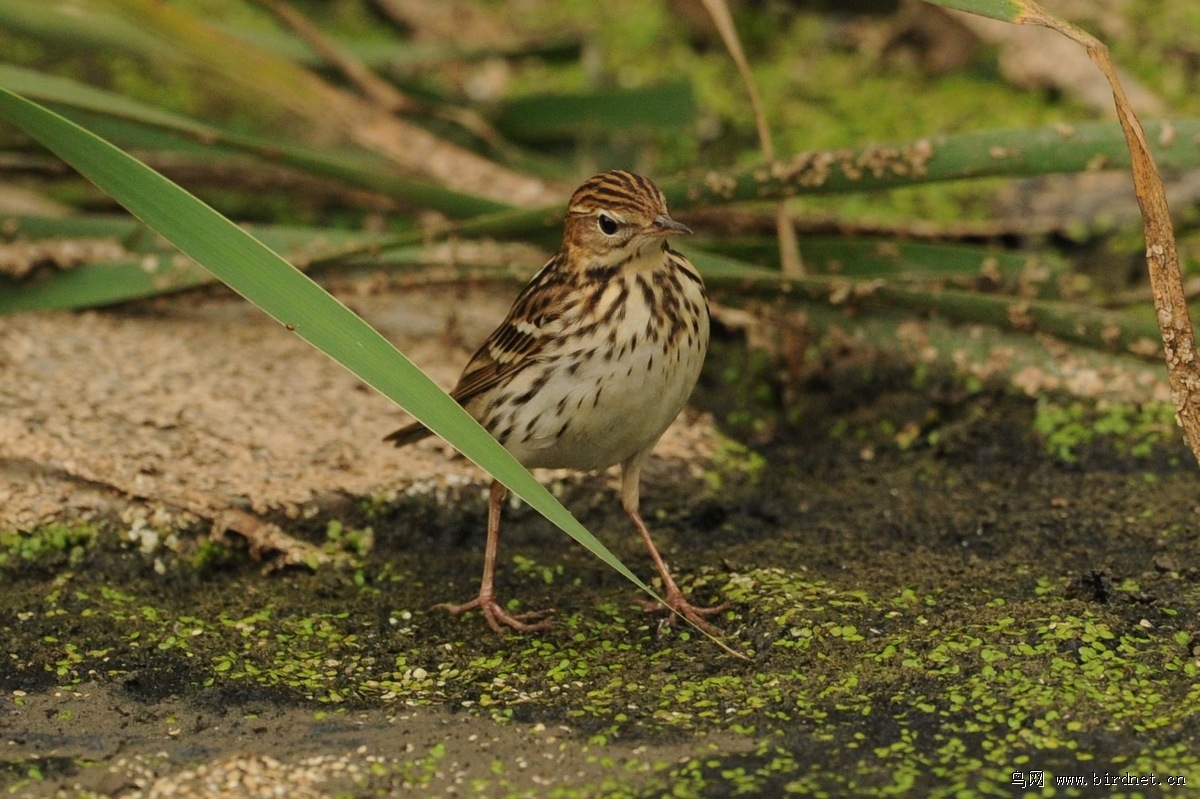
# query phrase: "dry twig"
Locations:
[[789, 249], [1162, 256]]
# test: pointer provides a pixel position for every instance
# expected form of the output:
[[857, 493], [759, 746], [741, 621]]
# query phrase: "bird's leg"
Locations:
[[486, 601], [631, 472]]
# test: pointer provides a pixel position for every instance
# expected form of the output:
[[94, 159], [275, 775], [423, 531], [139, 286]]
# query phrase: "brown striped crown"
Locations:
[[617, 190], [613, 216]]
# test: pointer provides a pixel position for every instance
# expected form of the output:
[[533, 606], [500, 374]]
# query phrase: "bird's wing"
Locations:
[[511, 347], [520, 338]]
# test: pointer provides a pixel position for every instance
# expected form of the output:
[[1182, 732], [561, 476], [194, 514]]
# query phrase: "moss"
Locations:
[[742, 389], [952, 687], [732, 459], [210, 555], [49, 546], [1067, 429], [353, 541]]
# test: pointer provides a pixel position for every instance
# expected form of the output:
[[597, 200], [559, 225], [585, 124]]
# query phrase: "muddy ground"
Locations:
[[936, 589]]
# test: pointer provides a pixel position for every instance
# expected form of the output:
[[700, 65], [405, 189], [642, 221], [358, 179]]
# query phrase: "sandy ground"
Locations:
[[180, 747], [208, 406]]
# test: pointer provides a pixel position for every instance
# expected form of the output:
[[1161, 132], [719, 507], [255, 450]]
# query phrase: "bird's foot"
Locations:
[[497, 616], [676, 601]]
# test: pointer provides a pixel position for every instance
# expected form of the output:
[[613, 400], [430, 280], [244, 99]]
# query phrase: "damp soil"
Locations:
[[960, 610]]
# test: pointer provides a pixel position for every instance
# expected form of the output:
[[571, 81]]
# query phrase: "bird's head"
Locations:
[[616, 216]]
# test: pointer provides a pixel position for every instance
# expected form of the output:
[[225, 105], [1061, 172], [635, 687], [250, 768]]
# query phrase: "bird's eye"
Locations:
[[608, 225]]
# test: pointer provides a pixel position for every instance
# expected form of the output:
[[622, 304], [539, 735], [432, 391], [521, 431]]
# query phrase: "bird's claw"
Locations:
[[497, 616], [676, 601]]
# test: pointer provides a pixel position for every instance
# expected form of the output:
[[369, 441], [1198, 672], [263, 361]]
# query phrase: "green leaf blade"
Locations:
[[290, 297], [1004, 10]]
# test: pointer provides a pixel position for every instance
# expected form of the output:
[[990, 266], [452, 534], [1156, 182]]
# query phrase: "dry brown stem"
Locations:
[[1162, 256], [789, 249]]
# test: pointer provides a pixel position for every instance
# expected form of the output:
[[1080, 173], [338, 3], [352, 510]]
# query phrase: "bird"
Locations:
[[597, 356]]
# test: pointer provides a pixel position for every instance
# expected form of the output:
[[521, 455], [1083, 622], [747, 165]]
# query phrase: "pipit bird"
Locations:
[[595, 359]]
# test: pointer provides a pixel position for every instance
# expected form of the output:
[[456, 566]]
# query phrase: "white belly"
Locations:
[[594, 411]]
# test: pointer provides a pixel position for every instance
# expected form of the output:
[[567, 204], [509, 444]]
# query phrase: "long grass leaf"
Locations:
[[1023, 152], [357, 168], [997, 153], [291, 298], [280, 98], [1093, 327], [1006, 10]]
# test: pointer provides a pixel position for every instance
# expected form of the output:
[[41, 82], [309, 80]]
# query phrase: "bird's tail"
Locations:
[[408, 434]]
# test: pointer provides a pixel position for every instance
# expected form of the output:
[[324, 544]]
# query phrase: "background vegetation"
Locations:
[[934, 168]]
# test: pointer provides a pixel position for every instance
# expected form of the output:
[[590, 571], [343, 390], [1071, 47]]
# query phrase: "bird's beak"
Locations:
[[664, 225]]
